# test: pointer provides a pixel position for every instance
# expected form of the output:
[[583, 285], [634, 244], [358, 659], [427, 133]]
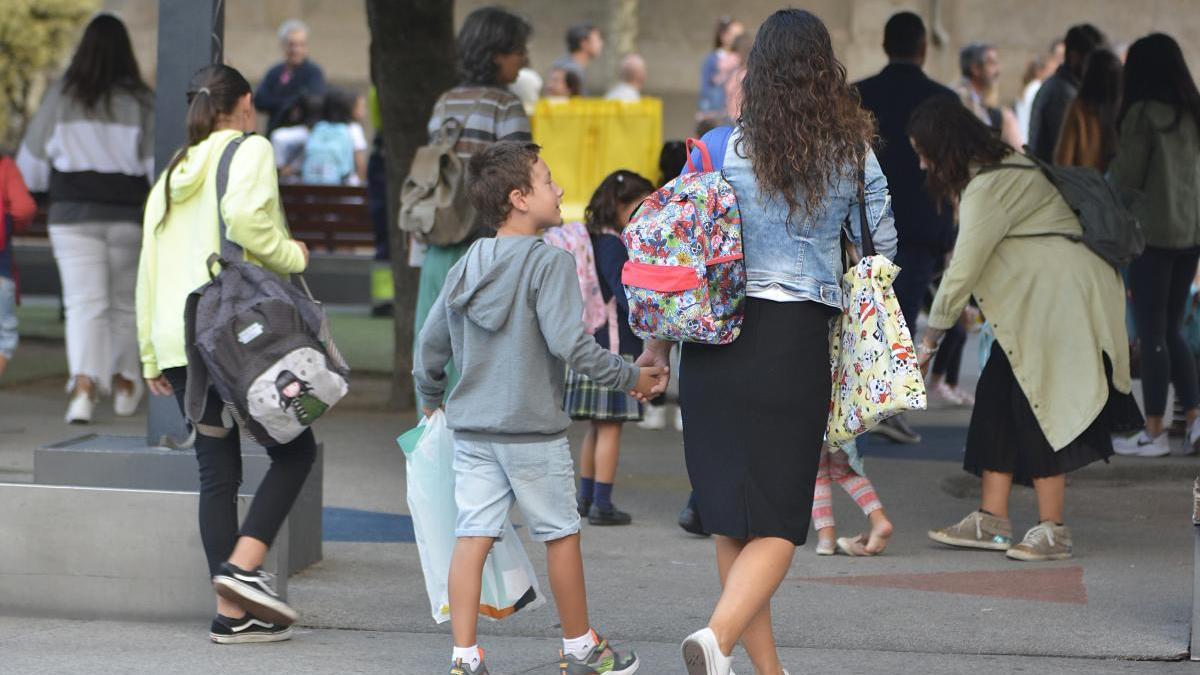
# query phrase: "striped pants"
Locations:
[[835, 467]]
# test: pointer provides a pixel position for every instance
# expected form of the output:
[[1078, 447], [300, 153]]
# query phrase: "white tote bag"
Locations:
[[509, 581]]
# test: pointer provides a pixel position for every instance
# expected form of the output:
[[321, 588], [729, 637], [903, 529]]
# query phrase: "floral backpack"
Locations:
[[574, 239], [685, 279]]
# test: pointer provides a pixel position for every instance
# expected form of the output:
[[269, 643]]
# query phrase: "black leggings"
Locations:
[[948, 362], [220, 462], [1160, 280]]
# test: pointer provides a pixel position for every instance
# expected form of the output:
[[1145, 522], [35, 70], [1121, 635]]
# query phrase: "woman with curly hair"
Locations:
[[491, 53], [1056, 384], [755, 410]]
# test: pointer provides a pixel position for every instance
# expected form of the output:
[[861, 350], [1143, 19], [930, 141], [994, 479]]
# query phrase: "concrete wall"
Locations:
[[675, 35]]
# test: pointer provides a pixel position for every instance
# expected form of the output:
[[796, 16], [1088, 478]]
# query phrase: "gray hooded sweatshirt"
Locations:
[[511, 317]]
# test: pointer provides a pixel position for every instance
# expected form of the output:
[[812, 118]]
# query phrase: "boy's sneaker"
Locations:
[[608, 516], [977, 530], [1045, 541], [1142, 445], [602, 660], [460, 668], [254, 592], [227, 631]]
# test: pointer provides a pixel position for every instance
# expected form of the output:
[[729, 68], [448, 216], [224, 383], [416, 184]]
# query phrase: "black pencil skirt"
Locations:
[[754, 416]]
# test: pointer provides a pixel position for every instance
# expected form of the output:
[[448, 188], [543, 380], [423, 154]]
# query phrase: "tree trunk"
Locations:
[[412, 64]]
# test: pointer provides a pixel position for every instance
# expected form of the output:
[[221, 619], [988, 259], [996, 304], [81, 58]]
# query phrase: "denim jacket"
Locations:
[[800, 258]]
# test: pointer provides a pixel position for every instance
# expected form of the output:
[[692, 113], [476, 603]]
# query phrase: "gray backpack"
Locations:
[[433, 200], [262, 342], [1109, 229]]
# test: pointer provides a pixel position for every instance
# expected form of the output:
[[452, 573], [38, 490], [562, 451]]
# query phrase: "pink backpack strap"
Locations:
[[706, 164]]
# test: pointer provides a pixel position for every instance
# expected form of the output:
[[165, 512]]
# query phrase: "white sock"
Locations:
[[581, 646], [471, 656]]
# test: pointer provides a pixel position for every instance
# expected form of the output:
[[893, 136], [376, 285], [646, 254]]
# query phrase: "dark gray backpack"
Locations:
[[262, 342], [1109, 229]]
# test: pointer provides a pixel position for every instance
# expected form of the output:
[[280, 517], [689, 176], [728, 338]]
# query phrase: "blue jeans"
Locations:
[[8, 317]]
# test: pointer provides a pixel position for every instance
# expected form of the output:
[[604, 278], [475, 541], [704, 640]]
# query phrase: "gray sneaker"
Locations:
[[460, 668], [602, 660], [1045, 541], [977, 530]]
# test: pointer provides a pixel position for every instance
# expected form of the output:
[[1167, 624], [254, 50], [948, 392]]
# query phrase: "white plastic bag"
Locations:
[[509, 581]]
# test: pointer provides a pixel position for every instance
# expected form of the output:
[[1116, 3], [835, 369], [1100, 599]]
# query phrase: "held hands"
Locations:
[[652, 381]]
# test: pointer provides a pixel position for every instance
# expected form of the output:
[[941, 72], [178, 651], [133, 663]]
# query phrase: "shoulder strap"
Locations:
[[229, 250], [868, 243]]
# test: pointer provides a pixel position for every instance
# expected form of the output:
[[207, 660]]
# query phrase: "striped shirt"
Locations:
[[96, 164], [491, 114]]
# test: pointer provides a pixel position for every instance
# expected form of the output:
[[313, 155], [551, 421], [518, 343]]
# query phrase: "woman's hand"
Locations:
[[303, 250], [927, 348], [657, 354], [160, 386]]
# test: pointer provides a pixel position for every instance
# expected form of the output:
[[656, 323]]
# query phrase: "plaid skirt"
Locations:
[[586, 400]]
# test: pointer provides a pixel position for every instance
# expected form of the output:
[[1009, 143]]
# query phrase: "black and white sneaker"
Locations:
[[227, 631], [254, 592]]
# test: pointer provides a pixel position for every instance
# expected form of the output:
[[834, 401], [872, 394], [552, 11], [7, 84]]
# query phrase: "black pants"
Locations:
[[948, 362], [220, 462], [918, 265], [1160, 279]]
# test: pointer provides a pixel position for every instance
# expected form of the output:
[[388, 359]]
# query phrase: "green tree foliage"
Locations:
[[34, 35]]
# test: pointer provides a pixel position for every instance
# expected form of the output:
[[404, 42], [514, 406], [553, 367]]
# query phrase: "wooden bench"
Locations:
[[325, 217]]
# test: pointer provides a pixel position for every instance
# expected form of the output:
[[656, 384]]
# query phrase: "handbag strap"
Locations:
[[868, 244]]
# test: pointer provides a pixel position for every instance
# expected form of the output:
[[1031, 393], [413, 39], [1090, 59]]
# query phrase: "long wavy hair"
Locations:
[[801, 123], [103, 63], [951, 138]]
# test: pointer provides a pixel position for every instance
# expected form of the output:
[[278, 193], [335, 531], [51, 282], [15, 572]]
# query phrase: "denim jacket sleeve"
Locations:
[[879, 211]]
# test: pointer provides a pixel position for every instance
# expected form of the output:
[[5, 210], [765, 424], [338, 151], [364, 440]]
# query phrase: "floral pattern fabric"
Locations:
[[686, 278], [875, 372], [574, 238]]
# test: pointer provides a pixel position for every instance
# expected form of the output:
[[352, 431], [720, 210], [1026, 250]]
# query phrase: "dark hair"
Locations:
[[494, 173], [903, 35], [972, 55], [213, 91], [577, 34], [1083, 39], [338, 106], [671, 159], [1155, 70], [619, 188], [723, 25], [103, 61], [486, 33], [574, 84], [1100, 90], [950, 137], [802, 125]]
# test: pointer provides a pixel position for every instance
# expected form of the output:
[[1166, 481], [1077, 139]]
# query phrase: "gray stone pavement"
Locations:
[[1121, 605]]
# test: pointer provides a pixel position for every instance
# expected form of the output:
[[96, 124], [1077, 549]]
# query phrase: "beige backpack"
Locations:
[[433, 200]]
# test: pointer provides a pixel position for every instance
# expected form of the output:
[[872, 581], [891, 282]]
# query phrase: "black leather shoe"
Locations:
[[609, 516], [689, 520]]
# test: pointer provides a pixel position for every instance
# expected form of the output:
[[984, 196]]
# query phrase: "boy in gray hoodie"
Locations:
[[510, 317]]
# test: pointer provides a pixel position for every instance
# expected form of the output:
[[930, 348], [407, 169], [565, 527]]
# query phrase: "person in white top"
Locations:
[[633, 79], [1040, 67], [980, 65]]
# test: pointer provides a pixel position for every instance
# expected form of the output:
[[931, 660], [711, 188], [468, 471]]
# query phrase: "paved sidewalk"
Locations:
[[1121, 605]]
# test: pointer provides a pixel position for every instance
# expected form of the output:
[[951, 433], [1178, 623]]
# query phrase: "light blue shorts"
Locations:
[[539, 476], [8, 317]]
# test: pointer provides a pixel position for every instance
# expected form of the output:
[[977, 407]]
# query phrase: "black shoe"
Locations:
[[253, 592], [689, 520], [583, 506], [896, 429], [227, 631], [609, 516], [382, 310]]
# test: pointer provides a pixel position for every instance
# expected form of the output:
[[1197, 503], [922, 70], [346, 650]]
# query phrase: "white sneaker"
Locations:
[[1142, 445], [702, 655], [1191, 441], [654, 417], [678, 419], [80, 409], [125, 403]]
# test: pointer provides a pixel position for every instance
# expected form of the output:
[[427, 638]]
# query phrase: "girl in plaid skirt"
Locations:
[[606, 215]]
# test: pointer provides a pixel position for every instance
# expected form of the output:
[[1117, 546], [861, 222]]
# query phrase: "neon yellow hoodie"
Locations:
[[174, 255]]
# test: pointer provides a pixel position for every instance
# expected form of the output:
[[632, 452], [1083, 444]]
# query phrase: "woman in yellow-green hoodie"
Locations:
[[180, 233]]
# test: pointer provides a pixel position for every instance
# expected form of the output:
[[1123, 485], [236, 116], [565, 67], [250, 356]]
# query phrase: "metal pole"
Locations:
[[191, 35]]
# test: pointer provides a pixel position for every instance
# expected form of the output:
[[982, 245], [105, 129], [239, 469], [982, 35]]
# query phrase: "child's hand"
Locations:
[[652, 381]]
